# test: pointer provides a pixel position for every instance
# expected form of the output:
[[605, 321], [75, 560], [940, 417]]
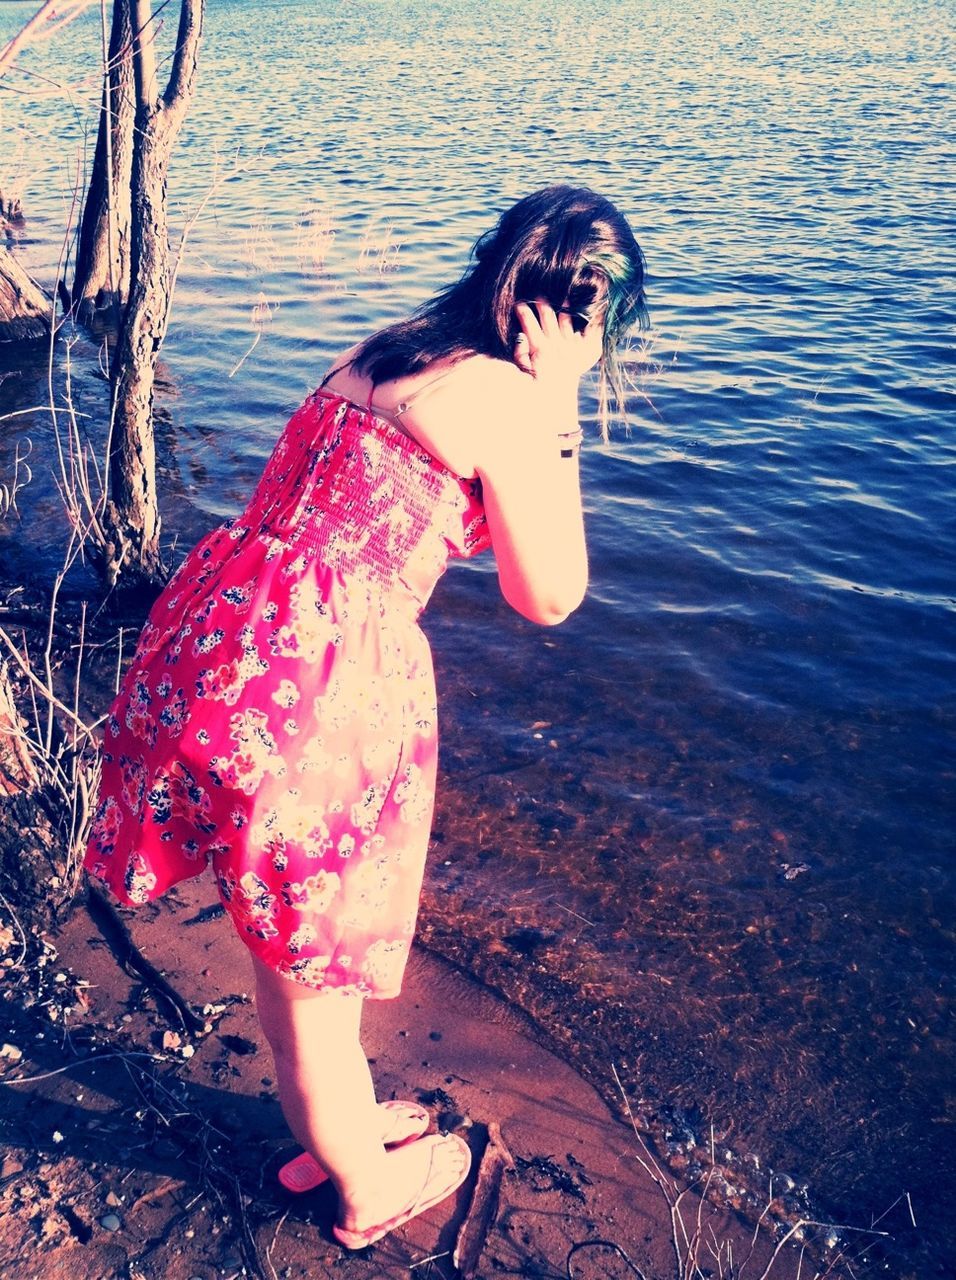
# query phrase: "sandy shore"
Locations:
[[160, 1162]]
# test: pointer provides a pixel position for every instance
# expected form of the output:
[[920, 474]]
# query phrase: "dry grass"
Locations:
[[262, 313], [700, 1255], [60, 745], [22, 475], [315, 238], [378, 249]]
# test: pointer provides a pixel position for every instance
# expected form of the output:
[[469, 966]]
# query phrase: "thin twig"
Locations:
[[650, 1166], [82, 1062], [272, 1245], [34, 680], [753, 1242], [19, 926], [603, 1244], [57, 13], [434, 1257]]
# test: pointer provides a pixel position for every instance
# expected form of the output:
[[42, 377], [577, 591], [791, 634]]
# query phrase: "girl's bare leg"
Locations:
[[328, 1100], [325, 1087]]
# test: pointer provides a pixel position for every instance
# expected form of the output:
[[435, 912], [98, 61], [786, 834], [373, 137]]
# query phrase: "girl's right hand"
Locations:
[[548, 346]]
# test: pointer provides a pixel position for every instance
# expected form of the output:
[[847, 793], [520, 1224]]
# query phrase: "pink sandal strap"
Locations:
[[409, 1121]]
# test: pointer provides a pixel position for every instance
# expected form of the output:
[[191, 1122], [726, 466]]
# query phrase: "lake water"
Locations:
[[702, 831]]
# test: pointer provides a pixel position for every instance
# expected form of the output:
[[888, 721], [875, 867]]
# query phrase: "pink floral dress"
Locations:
[[278, 717]]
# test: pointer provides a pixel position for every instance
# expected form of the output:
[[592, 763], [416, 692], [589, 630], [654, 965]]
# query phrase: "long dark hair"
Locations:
[[564, 244]]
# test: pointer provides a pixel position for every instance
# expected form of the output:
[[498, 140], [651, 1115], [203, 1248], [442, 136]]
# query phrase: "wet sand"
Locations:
[[176, 1152]]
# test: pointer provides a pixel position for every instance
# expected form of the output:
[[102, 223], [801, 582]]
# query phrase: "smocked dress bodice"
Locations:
[[352, 496]]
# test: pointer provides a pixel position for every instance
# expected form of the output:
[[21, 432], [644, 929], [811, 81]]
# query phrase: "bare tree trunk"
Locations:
[[25, 309], [101, 283], [132, 515]]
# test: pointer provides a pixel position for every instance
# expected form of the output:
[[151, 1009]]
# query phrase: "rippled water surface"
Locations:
[[703, 830]]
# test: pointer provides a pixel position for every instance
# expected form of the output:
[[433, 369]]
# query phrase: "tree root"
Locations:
[[120, 941]]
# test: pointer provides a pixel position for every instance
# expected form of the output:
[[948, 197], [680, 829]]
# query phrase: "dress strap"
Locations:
[[404, 405]]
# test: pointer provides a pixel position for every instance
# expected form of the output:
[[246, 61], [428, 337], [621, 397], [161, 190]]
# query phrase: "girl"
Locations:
[[278, 717]]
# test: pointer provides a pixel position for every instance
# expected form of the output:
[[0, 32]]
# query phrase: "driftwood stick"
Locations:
[[120, 941], [17, 769], [165, 1188], [483, 1210]]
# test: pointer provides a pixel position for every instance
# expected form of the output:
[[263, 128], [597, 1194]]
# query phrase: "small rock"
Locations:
[[791, 872], [238, 1045], [434, 1035], [11, 1052], [113, 1200], [111, 1222]]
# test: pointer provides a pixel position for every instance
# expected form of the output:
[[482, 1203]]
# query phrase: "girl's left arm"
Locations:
[[529, 469], [533, 504]]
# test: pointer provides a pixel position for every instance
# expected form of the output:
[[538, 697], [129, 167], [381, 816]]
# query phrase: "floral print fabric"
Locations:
[[278, 718]]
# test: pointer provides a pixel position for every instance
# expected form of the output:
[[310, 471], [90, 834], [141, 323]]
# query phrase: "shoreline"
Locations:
[[549, 1010], [121, 1149]]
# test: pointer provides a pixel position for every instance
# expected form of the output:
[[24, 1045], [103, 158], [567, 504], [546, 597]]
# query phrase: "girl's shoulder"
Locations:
[[457, 409], [452, 408]]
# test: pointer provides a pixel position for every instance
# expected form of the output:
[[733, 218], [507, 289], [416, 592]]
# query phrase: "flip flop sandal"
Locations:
[[408, 1121], [447, 1170]]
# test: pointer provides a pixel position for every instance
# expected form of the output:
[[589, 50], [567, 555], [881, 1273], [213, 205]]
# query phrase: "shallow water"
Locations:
[[702, 830]]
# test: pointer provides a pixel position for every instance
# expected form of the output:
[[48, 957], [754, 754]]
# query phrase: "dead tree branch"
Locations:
[[51, 16]]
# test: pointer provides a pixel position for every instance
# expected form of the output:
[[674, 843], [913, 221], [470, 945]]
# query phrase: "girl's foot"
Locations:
[[433, 1167], [401, 1122]]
